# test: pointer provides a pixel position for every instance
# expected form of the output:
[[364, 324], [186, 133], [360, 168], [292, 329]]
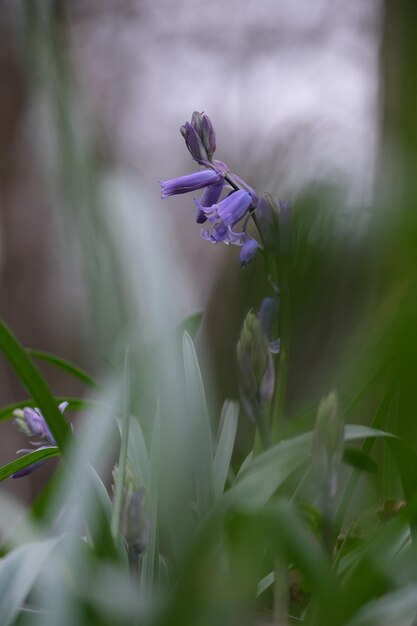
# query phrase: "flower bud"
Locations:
[[194, 143], [275, 225], [208, 136], [134, 519], [200, 137], [256, 370], [267, 218], [20, 422], [248, 251], [134, 516], [328, 441]]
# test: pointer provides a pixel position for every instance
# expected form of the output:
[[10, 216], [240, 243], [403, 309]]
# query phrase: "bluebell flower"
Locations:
[[190, 182], [31, 422], [210, 196], [230, 210]]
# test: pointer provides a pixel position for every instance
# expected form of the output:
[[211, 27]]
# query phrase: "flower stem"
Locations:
[[284, 324]]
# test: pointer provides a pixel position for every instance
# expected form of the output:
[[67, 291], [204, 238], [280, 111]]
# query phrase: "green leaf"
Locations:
[[359, 459], [121, 465], [224, 449], [199, 426], [392, 608], [19, 571], [32, 379], [256, 484], [28, 459], [137, 451], [190, 325], [150, 556], [69, 367]]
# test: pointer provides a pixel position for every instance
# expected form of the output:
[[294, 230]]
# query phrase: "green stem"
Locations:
[[278, 406]]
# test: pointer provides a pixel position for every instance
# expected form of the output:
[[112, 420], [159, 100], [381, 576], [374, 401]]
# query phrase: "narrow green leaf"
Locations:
[[199, 427], [32, 379], [150, 556], [137, 451], [121, 466], [224, 449], [265, 583], [63, 364], [28, 459]]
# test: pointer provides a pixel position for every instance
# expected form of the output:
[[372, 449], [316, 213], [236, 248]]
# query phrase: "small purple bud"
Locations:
[[35, 422], [248, 251], [190, 182], [268, 316], [208, 136], [197, 122], [27, 470], [194, 143]]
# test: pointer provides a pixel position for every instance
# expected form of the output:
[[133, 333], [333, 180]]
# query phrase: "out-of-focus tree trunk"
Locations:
[[398, 167], [397, 190]]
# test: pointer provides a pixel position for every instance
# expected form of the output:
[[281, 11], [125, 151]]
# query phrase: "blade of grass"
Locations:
[[149, 559], [63, 364], [224, 449], [121, 467], [200, 427], [28, 459], [32, 379]]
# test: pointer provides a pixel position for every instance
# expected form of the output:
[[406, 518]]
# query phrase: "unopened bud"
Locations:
[[208, 136], [328, 441], [256, 370], [134, 519], [194, 143], [200, 137], [267, 219], [20, 422], [134, 516]]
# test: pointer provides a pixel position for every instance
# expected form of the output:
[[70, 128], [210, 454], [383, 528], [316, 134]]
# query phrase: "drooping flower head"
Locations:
[[224, 214]]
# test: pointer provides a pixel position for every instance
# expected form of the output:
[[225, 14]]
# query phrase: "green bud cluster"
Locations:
[[328, 442], [256, 370], [134, 517]]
